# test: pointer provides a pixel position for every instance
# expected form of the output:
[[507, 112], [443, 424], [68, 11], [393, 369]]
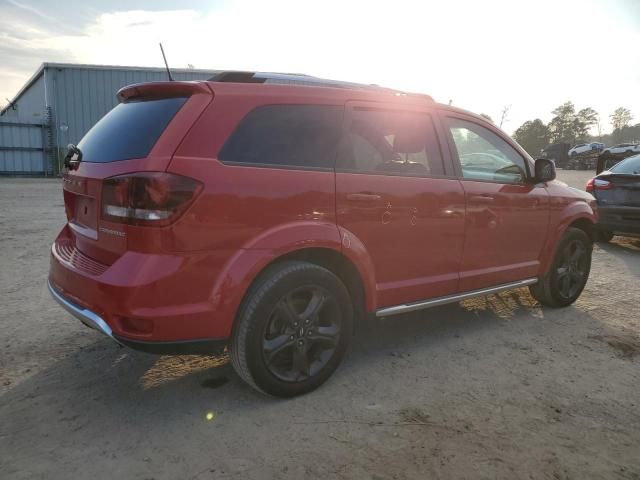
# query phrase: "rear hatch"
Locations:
[[139, 136], [620, 190]]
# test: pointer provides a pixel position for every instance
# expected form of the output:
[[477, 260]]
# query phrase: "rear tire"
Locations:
[[292, 330], [569, 272]]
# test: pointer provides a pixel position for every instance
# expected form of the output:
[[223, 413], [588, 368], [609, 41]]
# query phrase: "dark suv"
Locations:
[[266, 212]]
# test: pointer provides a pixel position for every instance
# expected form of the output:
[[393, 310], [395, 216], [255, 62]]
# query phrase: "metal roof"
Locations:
[[217, 75], [44, 65]]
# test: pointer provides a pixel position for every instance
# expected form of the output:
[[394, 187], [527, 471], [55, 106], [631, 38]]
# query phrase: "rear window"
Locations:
[[629, 165], [130, 130], [286, 135]]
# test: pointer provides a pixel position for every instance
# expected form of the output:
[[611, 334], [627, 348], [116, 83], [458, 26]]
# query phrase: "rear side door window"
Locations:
[[293, 136], [485, 156], [390, 142]]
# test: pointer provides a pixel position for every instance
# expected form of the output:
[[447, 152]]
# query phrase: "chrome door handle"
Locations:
[[481, 199], [363, 197]]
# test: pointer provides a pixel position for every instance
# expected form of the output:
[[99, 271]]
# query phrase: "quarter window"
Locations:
[[392, 143], [286, 135], [484, 155]]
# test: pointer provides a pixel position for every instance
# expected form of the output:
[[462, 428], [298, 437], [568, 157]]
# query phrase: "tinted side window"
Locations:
[[391, 142], [484, 155], [286, 135], [130, 130]]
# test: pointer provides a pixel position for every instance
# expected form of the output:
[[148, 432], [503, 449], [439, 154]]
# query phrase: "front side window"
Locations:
[[390, 142], [484, 155], [303, 136]]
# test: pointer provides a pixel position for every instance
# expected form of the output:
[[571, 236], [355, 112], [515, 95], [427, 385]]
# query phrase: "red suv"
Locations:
[[267, 212]]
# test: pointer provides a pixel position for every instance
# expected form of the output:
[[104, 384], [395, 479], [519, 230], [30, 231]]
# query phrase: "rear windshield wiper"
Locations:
[[73, 157]]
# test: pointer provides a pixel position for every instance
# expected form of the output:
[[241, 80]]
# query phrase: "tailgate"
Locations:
[[139, 135], [624, 190]]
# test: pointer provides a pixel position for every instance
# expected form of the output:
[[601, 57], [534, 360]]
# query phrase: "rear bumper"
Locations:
[[89, 318], [93, 320], [203, 346], [620, 219], [159, 303]]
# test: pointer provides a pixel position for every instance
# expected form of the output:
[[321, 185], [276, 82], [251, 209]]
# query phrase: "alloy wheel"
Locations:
[[302, 333], [571, 270]]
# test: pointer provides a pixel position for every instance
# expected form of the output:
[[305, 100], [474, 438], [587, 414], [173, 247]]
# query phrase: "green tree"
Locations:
[[570, 126], [562, 125], [620, 118], [586, 118], [533, 136]]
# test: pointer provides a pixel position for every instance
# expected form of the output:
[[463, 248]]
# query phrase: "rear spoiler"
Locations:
[[162, 90]]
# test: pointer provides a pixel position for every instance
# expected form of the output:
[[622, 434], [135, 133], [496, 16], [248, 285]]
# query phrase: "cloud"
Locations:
[[30, 9], [483, 55]]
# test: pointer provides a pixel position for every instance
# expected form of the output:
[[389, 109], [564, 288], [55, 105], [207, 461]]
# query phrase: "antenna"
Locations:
[[165, 63]]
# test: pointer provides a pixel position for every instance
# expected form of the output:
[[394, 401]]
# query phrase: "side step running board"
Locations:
[[434, 302]]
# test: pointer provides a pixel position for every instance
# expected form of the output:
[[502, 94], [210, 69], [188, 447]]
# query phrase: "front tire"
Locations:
[[569, 272], [292, 330]]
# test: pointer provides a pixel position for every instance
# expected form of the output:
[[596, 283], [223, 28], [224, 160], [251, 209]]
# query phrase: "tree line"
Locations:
[[573, 127]]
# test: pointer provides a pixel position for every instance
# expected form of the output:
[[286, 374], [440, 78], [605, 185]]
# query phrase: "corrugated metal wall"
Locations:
[[30, 106], [79, 97], [22, 146]]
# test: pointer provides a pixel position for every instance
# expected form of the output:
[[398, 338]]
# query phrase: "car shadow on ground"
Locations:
[[620, 243], [626, 249], [104, 383], [107, 373], [118, 396]]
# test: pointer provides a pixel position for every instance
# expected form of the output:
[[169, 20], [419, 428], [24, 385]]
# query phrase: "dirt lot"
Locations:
[[491, 388]]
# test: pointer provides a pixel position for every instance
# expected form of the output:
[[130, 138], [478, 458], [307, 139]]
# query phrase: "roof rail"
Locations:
[[302, 79]]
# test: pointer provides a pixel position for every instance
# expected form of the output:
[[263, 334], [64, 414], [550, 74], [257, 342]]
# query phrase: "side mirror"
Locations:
[[545, 170]]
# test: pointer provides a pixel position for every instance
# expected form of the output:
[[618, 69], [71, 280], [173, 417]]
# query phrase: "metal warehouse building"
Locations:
[[59, 104]]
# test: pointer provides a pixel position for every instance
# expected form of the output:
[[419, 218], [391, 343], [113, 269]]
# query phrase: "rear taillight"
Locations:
[[598, 184], [147, 198]]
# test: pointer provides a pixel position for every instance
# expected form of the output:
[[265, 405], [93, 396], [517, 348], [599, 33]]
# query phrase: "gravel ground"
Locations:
[[496, 387]]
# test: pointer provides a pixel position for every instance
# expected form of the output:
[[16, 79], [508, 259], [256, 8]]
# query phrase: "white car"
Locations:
[[623, 148], [585, 147]]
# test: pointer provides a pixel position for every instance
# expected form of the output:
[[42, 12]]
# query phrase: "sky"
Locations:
[[530, 56]]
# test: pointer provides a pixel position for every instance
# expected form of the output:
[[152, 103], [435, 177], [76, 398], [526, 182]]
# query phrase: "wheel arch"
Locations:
[[246, 266], [578, 215], [340, 265], [586, 225]]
